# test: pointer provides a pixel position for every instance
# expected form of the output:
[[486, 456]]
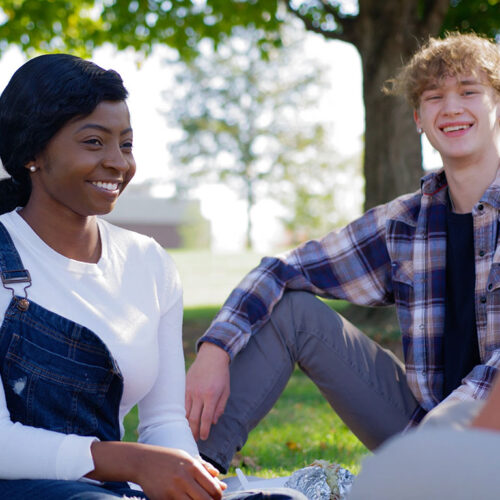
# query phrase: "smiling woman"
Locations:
[[87, 164], [91, 313]]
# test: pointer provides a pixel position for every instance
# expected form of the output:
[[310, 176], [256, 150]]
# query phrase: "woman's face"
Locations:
[[87, 164]]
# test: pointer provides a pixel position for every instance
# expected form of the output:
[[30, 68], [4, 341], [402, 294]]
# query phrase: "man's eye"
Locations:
[[433, 98], [127, 145]]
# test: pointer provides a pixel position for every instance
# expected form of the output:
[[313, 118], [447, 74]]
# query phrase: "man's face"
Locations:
[[460, 116]]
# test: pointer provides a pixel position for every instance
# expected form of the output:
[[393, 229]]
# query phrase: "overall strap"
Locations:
[[11, 267]]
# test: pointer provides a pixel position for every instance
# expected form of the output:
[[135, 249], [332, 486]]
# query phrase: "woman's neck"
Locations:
[[69, 234]]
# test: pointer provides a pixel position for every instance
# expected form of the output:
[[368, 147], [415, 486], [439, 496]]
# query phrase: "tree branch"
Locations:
[[345, 24], [434, 13]]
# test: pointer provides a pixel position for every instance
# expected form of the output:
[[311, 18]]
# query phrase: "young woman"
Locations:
[[90, 313]]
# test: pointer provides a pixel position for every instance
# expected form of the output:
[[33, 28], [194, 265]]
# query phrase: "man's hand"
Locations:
[[207, 389]]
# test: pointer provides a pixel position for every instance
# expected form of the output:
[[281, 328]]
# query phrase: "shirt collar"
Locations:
[[492, 194], [434, 183]]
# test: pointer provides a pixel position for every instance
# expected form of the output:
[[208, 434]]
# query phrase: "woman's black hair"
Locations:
[[42, 96]]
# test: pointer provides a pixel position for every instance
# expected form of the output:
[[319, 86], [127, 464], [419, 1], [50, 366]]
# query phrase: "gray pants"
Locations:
[[365, 384]]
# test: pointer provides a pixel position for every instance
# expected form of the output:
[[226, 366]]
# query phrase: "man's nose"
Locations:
[[452, 104]]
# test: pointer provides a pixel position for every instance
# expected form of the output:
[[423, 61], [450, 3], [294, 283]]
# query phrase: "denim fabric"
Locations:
[[271, 494], [57, 374], [51, 489]]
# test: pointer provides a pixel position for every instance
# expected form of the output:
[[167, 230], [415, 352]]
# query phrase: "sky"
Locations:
[[147, 82]]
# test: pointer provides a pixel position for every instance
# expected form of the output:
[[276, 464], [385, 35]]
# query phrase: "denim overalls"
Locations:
[[57, 374]]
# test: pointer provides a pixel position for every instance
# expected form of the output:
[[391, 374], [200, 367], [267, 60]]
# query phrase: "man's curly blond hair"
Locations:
[[456, 54]]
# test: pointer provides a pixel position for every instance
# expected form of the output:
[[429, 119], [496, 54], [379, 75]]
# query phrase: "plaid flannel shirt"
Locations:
[[393, 254]]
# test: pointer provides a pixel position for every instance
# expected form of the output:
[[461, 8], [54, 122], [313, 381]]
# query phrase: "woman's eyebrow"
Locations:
[[102, 128]]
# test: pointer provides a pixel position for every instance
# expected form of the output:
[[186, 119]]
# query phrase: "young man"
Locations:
[[432, 253]]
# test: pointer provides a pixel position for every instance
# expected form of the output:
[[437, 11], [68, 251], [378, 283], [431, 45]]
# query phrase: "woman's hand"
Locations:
[[207, 389], [176, 474], [163, 473]]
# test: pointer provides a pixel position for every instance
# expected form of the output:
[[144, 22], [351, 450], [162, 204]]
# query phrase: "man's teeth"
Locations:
[[110, 186], [453, 128]]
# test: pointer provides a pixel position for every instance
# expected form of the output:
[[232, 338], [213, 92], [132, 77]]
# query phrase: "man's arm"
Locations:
[[489, 416], [352, 264], [478, 383]]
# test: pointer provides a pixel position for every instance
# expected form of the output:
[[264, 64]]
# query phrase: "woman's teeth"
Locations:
[[109, 186]]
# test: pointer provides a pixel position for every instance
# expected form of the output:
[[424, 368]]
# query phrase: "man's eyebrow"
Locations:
[[470, 82], [96, 126], [436, 86]]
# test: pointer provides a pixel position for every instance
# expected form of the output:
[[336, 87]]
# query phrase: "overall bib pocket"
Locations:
[[45, 389]]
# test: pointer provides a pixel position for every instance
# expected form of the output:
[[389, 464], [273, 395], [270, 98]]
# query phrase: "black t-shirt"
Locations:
[[461, 350]]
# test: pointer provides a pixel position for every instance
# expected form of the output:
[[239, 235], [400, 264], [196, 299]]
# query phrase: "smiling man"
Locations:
[[433, 253]]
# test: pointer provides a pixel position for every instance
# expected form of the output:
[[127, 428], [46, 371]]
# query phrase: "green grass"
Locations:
[[301, 427]]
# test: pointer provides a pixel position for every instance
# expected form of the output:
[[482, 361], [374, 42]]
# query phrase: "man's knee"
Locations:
[[297, 303], [304, 308]]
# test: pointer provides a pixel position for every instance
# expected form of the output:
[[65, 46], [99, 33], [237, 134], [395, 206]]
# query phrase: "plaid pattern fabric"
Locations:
[[393, 254]]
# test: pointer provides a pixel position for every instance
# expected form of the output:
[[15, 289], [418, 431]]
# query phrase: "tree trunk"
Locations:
[[393, 159], [386, 33]]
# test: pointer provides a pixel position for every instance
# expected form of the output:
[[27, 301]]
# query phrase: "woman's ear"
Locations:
[[31, 165]]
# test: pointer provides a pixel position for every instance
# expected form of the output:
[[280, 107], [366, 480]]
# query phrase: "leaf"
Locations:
[[293, 446]]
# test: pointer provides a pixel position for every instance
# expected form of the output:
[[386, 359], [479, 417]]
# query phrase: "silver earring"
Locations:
[[419, 130], [33, 168]]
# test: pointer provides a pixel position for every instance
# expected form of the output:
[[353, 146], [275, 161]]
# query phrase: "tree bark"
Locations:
[[386, 34], [393, 159]]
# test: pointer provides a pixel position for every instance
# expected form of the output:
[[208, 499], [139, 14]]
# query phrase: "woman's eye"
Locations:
[[127, 145], [93, 142]]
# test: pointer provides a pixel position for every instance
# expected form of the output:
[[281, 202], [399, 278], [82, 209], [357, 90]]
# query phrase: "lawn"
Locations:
[[301, 427]]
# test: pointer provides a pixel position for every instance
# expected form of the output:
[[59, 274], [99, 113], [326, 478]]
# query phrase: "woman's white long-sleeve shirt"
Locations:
[[131, 299]]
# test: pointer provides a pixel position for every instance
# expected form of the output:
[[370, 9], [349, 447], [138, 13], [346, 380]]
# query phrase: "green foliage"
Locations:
[[320, 193], [332, 20], [481, 16], [252, 123], [79, 26]]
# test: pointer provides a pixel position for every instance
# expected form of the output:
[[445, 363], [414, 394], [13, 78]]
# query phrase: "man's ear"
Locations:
[[416, 117]]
